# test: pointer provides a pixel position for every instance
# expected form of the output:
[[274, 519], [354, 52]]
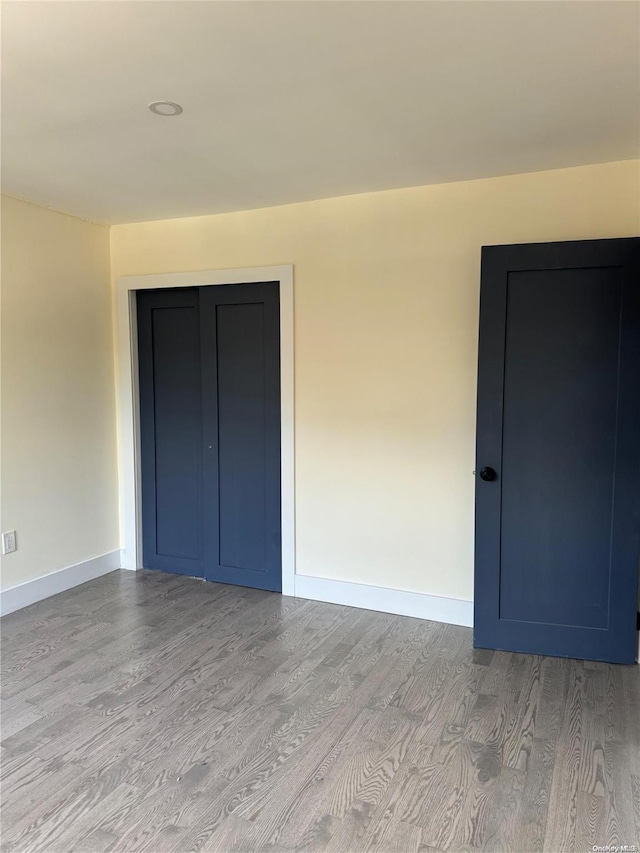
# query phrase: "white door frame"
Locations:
[[128, 401]]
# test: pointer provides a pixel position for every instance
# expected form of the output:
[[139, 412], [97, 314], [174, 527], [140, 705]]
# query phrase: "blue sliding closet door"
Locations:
[[171, 430], [210, 432]]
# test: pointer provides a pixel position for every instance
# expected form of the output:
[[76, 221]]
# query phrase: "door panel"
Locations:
[[558, 444], [557, 531], [241, 407], [241, 358], [171, 427], [210, 432]]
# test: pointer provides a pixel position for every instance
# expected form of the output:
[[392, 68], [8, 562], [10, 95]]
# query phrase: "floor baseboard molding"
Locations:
[[37, 589], [451, 610]]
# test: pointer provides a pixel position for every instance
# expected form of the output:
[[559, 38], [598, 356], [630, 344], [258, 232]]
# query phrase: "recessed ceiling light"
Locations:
[[165, 108]]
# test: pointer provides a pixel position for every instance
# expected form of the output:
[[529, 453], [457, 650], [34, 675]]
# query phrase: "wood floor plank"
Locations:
[[516, 746], [16, 715], [562, 823], [481, 717], [236, 835], [635, 794], [297, 797], [365, 776], [452, 803], [590, 821], [97, 842], [303, 796], [447, 727], [617, 783], [50, 819]]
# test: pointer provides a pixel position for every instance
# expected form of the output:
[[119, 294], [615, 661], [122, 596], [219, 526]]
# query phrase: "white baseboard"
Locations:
[[24, 594], [452, 610]]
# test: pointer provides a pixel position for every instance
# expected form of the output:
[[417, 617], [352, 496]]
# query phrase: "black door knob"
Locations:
[[488, 475]]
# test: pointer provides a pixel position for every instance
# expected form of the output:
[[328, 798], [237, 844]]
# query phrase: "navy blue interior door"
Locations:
[[210, 432], [558, 449]]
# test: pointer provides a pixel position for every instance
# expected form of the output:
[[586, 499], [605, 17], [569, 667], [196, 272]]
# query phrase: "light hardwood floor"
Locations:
[[147, 711]]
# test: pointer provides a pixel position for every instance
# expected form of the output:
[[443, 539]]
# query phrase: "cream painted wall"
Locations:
[[59, 472], [386, 317]]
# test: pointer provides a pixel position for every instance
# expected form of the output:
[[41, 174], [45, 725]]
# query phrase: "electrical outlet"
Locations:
[[9, 542]]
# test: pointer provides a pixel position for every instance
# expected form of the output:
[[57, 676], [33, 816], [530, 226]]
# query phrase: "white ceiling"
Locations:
[[288, 101]]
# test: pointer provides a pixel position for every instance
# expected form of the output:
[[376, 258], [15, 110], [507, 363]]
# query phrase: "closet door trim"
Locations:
[[129, 407]]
